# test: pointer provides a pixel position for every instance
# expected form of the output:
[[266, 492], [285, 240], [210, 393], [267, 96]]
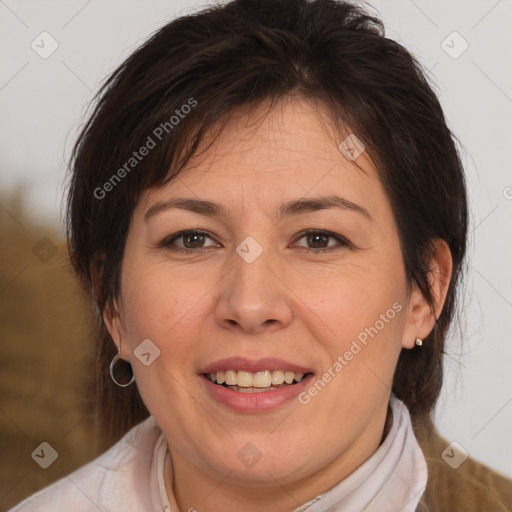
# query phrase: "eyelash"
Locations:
[[166, 243]]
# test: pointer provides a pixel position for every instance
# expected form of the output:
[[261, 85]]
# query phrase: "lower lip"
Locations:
[[257, 401]]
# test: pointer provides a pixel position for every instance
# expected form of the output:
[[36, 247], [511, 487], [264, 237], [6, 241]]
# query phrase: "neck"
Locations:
[[387, 424]]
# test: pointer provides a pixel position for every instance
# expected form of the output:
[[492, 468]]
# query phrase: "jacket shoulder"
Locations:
[[468, 487]]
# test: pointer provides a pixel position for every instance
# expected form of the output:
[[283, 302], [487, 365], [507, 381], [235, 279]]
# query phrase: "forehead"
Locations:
[[262, 155]]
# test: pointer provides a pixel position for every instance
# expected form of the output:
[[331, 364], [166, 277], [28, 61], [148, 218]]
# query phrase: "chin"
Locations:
[[259, 463]]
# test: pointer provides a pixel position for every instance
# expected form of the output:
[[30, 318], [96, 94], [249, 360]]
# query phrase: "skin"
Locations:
[[303, 307]]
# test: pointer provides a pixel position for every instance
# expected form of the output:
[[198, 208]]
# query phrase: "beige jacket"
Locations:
[[472, 487]]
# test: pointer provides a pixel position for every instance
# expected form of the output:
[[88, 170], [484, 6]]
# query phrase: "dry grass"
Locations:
[[45, 349]]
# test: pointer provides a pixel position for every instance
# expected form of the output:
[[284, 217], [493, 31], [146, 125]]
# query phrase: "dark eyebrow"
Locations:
[[190, 204], [294, 207], [321, 203]]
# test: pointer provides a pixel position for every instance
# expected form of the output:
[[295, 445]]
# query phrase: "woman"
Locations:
[[270, 213]]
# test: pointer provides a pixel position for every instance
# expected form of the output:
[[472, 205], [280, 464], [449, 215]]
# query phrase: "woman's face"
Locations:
[[252, 292]]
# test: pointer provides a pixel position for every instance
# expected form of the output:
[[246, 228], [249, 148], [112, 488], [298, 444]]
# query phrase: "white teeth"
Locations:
[[264, 379], [244, 379], [288, 377], [261, 380], [230, 376], [277, 377]]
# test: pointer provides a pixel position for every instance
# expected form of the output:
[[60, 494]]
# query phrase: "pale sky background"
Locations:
[[42, 102]]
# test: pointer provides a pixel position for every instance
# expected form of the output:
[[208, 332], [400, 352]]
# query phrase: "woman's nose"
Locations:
[[253, 296]]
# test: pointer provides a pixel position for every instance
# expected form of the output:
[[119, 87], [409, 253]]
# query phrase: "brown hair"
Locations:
[[241, 54]]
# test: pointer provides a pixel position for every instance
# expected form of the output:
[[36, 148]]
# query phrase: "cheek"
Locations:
[[355, 297], [363, 306], [162, 304]]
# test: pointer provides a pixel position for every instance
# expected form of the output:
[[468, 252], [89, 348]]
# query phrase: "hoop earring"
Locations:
[[123, 369], [419, 342]]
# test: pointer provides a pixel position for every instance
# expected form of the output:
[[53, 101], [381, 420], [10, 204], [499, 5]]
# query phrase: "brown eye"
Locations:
[[189, 240], [318, 241], [192, 239]]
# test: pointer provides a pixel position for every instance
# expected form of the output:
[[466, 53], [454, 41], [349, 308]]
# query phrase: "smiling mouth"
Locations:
[[258, 382]]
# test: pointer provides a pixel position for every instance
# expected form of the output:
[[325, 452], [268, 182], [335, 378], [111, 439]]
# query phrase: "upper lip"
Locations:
[[253, 365]]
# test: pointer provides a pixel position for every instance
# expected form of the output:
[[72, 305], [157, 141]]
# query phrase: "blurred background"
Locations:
[[54, 56]]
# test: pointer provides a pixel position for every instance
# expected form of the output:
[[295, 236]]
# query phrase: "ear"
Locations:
[[420, 319], [110, 312], [113, 322]]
